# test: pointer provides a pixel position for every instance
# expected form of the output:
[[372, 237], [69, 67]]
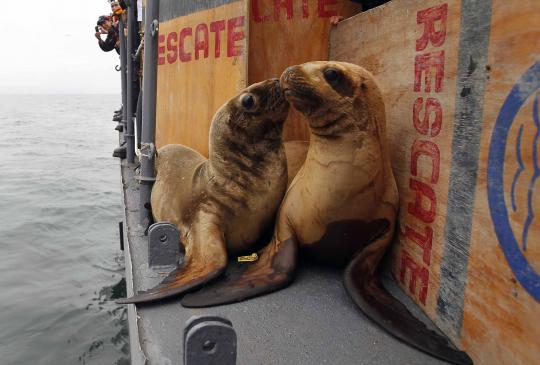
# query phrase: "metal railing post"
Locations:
[[148, 135], [129, 135], [123, 57]]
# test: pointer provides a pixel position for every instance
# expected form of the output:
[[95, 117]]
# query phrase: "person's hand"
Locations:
[[334, 20], [98, 35]]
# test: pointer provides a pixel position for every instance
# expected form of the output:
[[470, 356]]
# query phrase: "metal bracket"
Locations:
[[209, 340], [154, 27], [163, 244]]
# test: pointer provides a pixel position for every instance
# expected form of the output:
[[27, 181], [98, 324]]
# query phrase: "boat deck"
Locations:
[[313, 321]]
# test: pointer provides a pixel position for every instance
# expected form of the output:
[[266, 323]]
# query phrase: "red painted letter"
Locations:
[[416, 209], [161, 50], [257, 14], [422, 126], [428, 17], [407, 262], [322, 11], [172, 54], [233, 36], [429, 149], [425, 242], [201, 41], [287, 4], [184, 56], [217, 27], [305, 9], [429, 63]]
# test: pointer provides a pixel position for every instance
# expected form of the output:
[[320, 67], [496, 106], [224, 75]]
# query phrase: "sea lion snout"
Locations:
[[298, 89], [335, 96], [265, 97], [286, 76]]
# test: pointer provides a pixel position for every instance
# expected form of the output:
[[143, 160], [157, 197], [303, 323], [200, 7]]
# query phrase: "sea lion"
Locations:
[[296, 152], [224, 203], [342, 205]]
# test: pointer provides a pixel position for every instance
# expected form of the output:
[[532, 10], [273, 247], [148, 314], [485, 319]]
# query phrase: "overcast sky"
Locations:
[[48, 47]]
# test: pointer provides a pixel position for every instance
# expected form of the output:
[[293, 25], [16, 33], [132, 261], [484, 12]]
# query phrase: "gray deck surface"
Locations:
[[311, 322]]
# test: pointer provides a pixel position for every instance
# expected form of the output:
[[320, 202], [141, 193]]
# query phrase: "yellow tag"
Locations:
[[250, 258]]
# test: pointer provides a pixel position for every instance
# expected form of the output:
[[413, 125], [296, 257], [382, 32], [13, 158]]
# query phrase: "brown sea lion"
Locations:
[[222, 204], [340, 208]]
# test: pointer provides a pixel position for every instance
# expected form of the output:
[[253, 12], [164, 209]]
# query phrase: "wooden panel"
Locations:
[[289, 32], [467, 248], [502, 304], [385, 43], [202, 63]]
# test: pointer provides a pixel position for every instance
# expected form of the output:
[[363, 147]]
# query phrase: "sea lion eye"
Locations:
[[331, 75], [247, 101]]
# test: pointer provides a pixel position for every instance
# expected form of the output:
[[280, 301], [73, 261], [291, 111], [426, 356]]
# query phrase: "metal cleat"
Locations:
[[163, 244], [209, 340]]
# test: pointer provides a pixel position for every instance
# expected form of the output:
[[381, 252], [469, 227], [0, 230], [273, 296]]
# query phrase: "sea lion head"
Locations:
[[252, 118], [336, 97]]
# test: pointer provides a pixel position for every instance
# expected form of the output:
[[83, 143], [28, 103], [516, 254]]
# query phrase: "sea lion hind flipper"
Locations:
[[380, 306], [179, 281], [206, 261], [274, 270]]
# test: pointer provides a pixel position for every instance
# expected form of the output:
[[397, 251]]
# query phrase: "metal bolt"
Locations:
[[154, 27], [163, 238], [209, 346]]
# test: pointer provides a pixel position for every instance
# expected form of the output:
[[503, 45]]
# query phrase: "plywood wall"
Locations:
[[461, 81], [202, 62], [290, 32], [272, 35]]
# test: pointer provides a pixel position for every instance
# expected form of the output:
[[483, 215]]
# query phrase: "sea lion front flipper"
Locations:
[[205, 260], [273, 271], [370, 296]]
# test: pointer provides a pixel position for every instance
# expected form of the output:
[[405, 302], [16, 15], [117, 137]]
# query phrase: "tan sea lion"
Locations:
[[342, 205], [222, 204], [296, 152]]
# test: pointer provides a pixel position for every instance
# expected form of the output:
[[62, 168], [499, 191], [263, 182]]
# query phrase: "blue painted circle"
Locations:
[[527, 85]]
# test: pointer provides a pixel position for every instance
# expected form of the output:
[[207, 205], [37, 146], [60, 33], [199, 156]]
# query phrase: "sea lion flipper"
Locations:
[[380, 306], [273, 271], [204, 263]]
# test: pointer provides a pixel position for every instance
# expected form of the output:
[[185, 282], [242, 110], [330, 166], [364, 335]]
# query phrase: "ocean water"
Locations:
[[60, 204]]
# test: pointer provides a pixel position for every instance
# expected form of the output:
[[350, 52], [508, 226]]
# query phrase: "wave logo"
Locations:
[[514, 176]]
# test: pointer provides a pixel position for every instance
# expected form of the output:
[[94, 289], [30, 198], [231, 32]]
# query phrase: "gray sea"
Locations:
[[60, 204]]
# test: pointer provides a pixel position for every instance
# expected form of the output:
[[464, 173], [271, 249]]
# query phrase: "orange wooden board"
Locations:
[[290, 32], [384, 43], [467, 248], [202, 62], [501, 316]]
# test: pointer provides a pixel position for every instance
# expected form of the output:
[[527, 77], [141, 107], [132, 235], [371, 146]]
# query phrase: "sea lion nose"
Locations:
[[288, 73]]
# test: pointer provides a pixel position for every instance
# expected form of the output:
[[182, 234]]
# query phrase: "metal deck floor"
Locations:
[[313, 321]]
